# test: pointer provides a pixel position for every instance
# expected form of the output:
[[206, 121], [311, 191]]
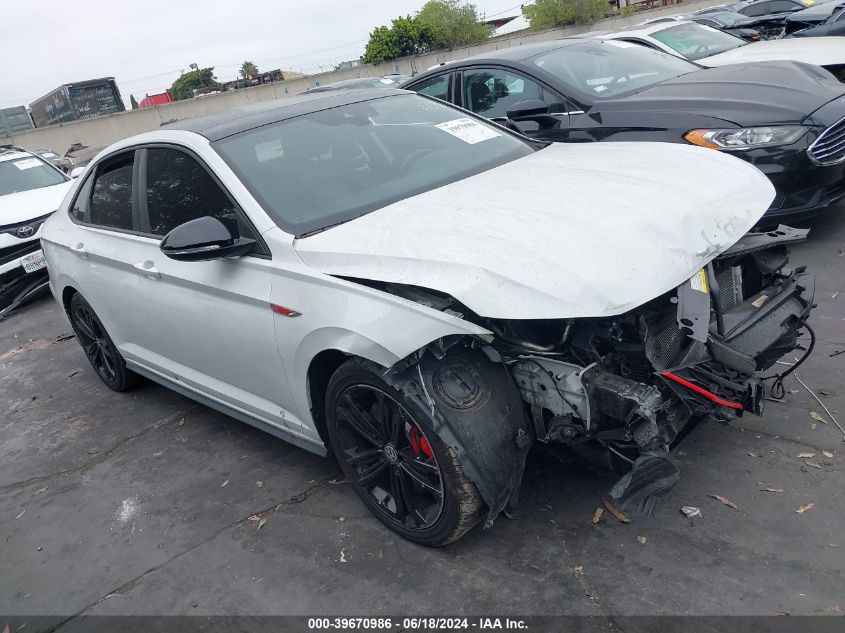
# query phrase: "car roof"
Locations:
[[13, 152], [222, 124]]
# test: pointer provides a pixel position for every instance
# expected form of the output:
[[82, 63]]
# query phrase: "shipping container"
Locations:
[[14, 121], [79, 100]]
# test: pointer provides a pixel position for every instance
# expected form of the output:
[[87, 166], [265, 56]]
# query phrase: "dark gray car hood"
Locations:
[[746, 94]]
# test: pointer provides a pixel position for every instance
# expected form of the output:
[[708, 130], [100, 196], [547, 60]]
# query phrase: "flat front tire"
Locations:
[[402, 471]]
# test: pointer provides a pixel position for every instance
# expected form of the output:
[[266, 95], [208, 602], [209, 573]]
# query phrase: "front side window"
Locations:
[[607, 69], [492, 91], [111, 195], [437, 87], [179, 189], [326, 167], [696, 41], [25, 173], [756, 10]]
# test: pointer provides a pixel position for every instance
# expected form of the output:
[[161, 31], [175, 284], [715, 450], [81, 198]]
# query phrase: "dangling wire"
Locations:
[[777, 390]]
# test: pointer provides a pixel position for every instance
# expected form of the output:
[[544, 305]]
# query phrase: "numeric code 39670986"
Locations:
[[375, 624]]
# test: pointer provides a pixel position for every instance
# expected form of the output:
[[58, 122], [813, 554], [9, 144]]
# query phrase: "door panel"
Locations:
[[210, 325]]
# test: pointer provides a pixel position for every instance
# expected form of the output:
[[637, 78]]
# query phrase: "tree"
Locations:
[[249, 70], [549, 14], [133, 102], [405, 36], [189, 83], [453, 23]]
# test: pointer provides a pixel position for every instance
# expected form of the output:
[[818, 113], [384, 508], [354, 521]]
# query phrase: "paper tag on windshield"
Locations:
[[27, 163], [468, 131], [270, 150]]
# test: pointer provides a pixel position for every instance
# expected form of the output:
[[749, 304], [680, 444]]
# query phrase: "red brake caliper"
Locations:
[[419, 444]]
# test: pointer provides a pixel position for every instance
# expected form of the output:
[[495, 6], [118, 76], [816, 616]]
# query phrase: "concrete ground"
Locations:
[[147, 503]]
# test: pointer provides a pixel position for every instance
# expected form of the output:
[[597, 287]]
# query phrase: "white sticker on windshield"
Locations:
[[468, 131], [270, 150], [27, 163]]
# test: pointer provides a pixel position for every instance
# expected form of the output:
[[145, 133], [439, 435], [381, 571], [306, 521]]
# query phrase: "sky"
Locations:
[[146, 44]]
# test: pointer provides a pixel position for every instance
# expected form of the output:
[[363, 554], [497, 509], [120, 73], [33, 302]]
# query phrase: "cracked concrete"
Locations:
[[145, 503]]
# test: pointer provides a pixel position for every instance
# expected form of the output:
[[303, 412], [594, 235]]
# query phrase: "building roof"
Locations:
[[155, 100]]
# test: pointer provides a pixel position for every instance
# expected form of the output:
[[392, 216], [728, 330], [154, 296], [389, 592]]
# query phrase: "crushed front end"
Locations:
[[633, 385]]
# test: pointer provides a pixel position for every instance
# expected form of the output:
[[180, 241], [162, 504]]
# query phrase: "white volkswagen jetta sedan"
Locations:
[[427, 294]]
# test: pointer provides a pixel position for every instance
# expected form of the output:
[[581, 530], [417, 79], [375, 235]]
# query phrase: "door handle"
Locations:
[[148, 269], [79, 249]]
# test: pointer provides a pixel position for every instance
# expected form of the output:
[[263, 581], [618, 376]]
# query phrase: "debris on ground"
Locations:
[[813, 464], [817, 417], [262, 522], [724, 501], [379, 553], [691, 511], [259, 483], [224, 484], [805, 455], [343, 556], [827, 454], [335, 482], [597, 515], [806, 507], [620, 516], [21, 514], [769, 489], [641, 539], [40, 491], [254, 517], [834, 295], [64, 337]]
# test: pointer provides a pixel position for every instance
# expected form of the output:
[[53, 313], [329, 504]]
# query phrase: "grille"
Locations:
[[728, 295], [829, 147], [668, 342], [18, 250]]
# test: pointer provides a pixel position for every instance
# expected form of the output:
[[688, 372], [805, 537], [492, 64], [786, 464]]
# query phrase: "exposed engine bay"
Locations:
[[631, 385]]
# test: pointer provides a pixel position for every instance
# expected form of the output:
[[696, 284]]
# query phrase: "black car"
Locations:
[[786, 118], [730, 22], [770, 15], [362, 83], [817, 21]]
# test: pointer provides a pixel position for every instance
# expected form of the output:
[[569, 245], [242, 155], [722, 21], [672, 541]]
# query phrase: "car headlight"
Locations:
[[747, 137]]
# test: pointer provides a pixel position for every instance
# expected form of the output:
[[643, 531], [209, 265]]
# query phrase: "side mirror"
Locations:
[[529, 108], [76, 172], [203, 239]]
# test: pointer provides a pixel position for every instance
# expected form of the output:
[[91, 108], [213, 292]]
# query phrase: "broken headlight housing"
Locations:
[[747, 137]]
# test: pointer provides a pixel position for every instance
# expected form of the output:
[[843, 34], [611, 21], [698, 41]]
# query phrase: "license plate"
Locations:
[[34, 261]]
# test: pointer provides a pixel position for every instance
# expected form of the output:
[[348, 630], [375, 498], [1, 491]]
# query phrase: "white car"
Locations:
[[31, 188], [427, 294], [710, 47]]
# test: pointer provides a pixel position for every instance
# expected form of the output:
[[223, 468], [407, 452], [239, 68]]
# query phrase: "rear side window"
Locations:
[[437, 87], [179, 189], [755, 10], [111, 196]]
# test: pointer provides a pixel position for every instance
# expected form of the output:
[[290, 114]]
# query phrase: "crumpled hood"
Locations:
[[35, 203], [581, 230], [746, 94], [821, 51]]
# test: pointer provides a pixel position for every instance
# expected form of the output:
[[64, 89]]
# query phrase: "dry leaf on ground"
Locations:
[[827, 454], [597, 515], [816, 416], [691, 511], [769, 489], [724, 500], [261, 523], [224, 484], [813, 464], [803, 455], [620, 516], [254, 517], [805, 507], [641, 539]]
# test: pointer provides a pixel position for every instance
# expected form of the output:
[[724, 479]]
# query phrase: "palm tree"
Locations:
[[249, 70]]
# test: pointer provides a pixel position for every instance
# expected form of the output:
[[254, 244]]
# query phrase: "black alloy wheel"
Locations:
[[402, 471], [98, 346]]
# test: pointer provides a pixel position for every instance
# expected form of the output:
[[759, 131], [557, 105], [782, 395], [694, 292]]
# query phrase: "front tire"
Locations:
[[397, 465], [98, 346]]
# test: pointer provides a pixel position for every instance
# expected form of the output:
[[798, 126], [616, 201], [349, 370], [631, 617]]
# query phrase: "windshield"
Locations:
[[695, 41], [610, 68], [323, 168], [25, 173], [727, 18]]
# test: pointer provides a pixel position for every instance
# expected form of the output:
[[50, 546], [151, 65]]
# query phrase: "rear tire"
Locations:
[[98, 346], [402, 471]]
